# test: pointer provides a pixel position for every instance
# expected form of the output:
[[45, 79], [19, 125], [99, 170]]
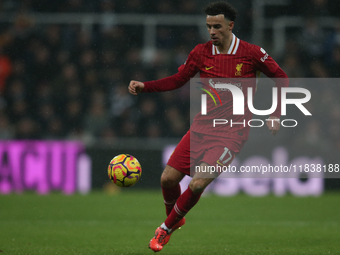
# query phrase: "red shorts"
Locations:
[[204, 148]]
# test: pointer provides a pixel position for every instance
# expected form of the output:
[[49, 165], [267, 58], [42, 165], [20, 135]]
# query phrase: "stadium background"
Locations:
[[65, 112], [65, 67]]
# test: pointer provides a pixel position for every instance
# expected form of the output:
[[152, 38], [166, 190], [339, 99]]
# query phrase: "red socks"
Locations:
[[184, 203], [170, 197]]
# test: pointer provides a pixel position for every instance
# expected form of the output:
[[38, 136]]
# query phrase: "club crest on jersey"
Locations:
[[239, 69]]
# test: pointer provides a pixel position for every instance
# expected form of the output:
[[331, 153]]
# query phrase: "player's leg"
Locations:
[[170, 186], [177, 167], [171, 191], [218, 155], [188, 199], [183, 204]]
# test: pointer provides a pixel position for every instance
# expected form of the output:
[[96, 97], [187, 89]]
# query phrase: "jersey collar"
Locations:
[[232, 49]]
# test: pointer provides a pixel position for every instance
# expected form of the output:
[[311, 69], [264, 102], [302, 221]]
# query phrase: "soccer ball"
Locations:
[[124, 170]]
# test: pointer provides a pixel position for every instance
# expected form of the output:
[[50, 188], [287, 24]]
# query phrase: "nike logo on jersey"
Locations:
[[208, 68]]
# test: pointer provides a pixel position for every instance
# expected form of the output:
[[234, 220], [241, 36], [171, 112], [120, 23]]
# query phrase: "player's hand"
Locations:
[[273, 123], [135, 87]]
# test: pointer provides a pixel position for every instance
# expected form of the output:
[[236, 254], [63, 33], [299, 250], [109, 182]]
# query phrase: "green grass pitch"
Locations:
[[124, 223]]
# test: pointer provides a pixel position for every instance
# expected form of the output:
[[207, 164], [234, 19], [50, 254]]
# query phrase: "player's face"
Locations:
[[219, 29]]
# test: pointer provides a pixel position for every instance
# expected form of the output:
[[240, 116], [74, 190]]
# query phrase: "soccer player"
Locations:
[[224, 56]]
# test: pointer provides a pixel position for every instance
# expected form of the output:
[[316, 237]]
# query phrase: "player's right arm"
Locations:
[[185, 72]]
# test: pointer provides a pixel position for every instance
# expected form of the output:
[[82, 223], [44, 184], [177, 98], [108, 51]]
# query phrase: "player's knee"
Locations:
[[167, 181], [197, 185]]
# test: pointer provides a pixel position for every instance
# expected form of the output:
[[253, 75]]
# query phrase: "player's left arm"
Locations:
[[267, 65]]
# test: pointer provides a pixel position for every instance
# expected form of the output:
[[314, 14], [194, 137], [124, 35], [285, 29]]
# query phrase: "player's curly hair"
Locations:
[[221, 7]]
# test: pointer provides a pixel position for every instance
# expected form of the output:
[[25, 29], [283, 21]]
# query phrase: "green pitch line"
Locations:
[[124, 223]]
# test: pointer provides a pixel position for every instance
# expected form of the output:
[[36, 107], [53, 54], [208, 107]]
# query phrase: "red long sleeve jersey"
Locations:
[[243, 60]]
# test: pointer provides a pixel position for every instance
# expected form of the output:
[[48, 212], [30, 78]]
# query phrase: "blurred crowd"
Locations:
[[66, 82], [103, 6]]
